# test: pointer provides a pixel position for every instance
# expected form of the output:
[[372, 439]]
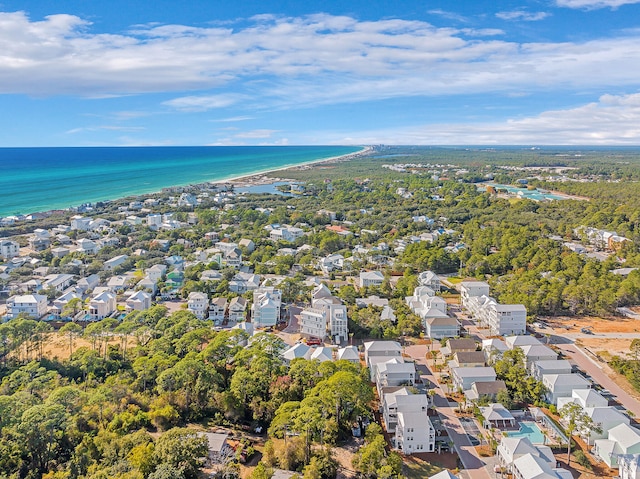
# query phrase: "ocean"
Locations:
[[41, 179]]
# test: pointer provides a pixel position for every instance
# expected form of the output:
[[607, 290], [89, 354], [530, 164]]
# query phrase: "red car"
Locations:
[[314, 342]]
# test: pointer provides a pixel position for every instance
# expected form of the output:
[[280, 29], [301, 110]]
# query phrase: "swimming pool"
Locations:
[[531, 431]]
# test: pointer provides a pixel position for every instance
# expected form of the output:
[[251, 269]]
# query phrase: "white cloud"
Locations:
[[264, 133], [202, 103], [612, 120], [594, 4], [292, 62], [234, 119], [522, 15], [105, 128]]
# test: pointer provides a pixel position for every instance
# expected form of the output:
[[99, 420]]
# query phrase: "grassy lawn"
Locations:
[[415, 468]]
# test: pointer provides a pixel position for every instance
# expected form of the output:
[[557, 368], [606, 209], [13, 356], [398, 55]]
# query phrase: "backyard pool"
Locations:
[[531, 431]]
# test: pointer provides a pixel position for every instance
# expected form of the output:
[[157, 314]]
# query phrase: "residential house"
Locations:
[[394, 372], [430, 279], [237, 308], [629, 466], [470, 289], [415, 433], [531, 466], [586, 398], [621, 440], [461, 345], [32, 305], [507, 319], [372, 300], [512, 448], [217, 447], [80, 223], [102, 305], [604, 418], [40, 240], [156, 272], [561, 385], [265, 310], [115, 262], [467, 359], [321, 354], [243, 282], [86, 246], [285, 233], [118, 283], [333, 262], [493, 349], [60, 252], [537, 352], [60, 303], [519, 341], [88, 283], [9, 249], [463, 378], [371, 278], [198, 304], [377, 351], [233, 259], [445, 474], [149, 285], [298, 350], [59, 282], [348, 353], [139, 301], [442, 326], [554, 366], [485, 390], [218, 310], [389, 406]]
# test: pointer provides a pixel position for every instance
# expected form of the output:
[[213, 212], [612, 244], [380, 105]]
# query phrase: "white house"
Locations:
[[395, 372], [537, 352], [519, 341], [265, 310], [622, 439], [512, 448], [629, 466], [554, 366], [531, 466], [348, 353], [86, 246], [198, 304], [389, 406], [9, 249], [442, 326], [331, 263], [298, 350], [376, 351], [60, 303], [585, 398], [80, 223], [605, 418], [371, 278], [507, 319], [102, 305], [414, 433], [32, 305], [139, 301], [88, 283], [430, 279], [115, 262], [218, 310], [237, 307], [469, 289], [561, 385], [463, 378]]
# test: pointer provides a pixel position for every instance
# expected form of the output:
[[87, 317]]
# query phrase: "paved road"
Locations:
[[596, 370], [475, 467]]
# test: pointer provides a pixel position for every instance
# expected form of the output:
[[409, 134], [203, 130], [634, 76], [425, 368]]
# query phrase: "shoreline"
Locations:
[[240, 181], [236, 181]]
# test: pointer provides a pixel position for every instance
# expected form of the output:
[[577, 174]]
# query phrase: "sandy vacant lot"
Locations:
[[598, 325]]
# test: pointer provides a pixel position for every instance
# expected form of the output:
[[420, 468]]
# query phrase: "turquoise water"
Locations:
[[40, 179], [535, 195], [530, 430]]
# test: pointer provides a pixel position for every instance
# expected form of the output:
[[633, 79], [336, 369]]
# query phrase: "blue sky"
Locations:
[[246, 72]]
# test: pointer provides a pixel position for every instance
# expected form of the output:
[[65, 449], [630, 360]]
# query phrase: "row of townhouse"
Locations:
[[500, 319], [327, 316], [405, 414], [321, 353], [432, 309], [216, 309]]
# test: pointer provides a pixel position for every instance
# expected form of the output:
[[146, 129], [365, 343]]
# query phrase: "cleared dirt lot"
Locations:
[[598, 325]]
